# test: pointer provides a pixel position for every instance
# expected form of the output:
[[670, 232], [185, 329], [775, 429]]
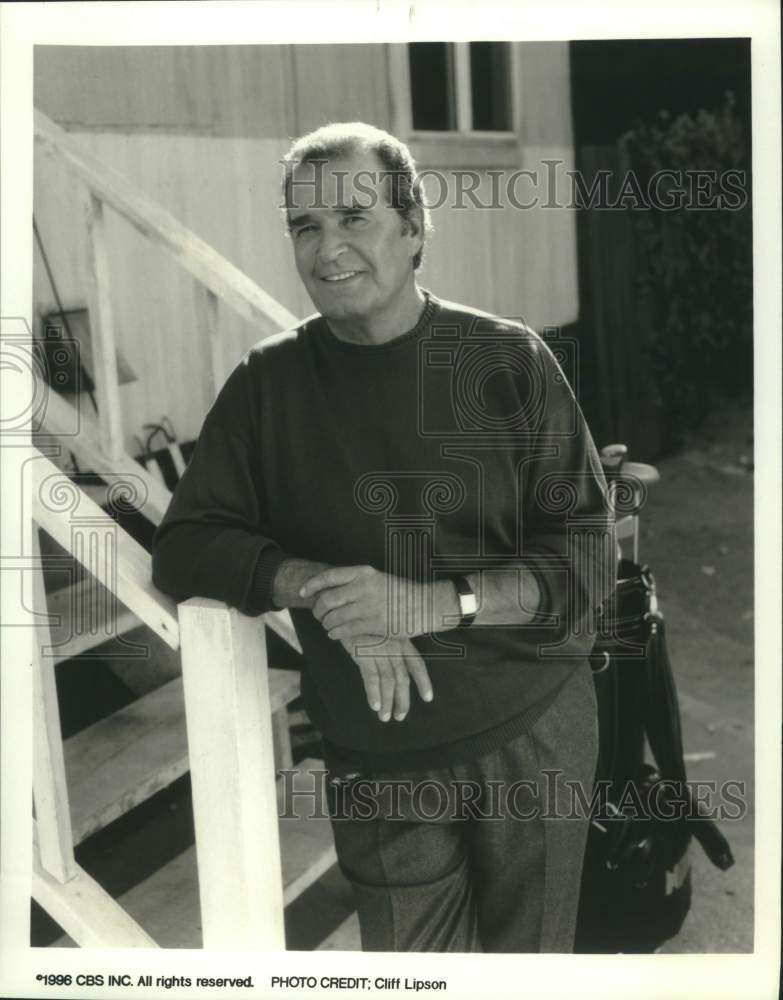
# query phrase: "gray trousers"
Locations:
[[485, 856]]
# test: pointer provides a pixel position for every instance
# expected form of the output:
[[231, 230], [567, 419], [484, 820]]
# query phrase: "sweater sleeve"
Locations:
[[568, 538], [212, 541]]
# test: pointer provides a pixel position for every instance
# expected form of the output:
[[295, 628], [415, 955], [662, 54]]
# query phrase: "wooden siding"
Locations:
[[544, 81], [261, 91], [340, 83], [518, 262]]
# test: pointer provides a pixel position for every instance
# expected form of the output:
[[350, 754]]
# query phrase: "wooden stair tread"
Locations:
[[70, 904], [109, 553], [59, 417], [127, 757], [83, 620], [306, 844], [283, 687], [345, 937], [166, 904]]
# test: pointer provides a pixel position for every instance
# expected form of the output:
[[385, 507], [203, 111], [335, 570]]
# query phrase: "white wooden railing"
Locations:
[[229, 724], [229, 719]]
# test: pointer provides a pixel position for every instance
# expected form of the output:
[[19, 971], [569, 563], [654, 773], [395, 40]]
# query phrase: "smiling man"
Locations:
[[414, 480], [354, 253]]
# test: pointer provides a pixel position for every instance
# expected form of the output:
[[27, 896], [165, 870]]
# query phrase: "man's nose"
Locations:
[[330, 245]]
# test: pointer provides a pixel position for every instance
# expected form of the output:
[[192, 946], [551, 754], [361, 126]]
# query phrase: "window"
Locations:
[[460, 86]]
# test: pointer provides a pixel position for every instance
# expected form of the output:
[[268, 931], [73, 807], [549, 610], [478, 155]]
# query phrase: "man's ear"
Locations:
[[414, 224]]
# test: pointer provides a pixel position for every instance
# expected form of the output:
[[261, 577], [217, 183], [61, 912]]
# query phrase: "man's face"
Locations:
[[353, 251]]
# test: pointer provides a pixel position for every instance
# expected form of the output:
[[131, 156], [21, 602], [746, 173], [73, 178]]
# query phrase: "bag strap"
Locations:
[[663, 726]]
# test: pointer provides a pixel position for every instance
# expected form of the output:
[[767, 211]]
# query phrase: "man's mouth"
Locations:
[[341, 276]]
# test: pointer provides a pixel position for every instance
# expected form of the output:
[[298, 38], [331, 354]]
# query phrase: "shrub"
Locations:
[[694, 268]]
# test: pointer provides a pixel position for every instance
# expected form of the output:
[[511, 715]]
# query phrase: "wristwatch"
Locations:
[[468, 603]]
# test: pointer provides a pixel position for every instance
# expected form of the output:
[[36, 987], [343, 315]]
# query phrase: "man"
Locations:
[[414, 480]]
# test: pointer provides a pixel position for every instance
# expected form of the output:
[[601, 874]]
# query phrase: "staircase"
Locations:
[[224, 720]]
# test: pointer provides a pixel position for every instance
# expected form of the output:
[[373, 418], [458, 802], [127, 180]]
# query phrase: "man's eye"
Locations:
[[303, 231], [354, 218]]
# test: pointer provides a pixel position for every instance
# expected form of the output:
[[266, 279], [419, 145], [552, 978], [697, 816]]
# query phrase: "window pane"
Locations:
[[432, 86], [490, 85]]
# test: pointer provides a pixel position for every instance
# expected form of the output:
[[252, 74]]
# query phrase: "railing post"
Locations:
[[107, 384], [229, 724], [50, 788], [207, 322]]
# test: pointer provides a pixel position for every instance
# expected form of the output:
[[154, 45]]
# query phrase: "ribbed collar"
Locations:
[[395, 344]]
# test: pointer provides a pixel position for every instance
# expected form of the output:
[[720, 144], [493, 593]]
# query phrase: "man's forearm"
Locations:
[[354, 601], [505, 597], [291, 575]]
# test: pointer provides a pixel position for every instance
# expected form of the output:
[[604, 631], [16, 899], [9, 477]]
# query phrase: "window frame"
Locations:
[[463, 146]]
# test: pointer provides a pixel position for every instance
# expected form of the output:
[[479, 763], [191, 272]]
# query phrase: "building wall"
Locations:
[[252, 91], [202, 130]]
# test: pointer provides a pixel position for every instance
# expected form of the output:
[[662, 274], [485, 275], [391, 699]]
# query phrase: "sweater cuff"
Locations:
[[260, 597]]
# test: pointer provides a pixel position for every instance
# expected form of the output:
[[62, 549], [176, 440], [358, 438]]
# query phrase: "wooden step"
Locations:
[[59, 418], [87, 615], [72, 903], [105, 550], [306, 842], [166, 904], [124, 759], [345, 937]]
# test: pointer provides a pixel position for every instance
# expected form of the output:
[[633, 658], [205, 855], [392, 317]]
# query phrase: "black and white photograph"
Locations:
[[391, 487]]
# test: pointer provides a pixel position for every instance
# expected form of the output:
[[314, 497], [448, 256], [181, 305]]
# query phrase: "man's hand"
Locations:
[[386, 668], [388, 665], [352, 601]]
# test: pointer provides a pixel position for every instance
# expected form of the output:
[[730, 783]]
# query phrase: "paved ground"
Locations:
[[697, 535]]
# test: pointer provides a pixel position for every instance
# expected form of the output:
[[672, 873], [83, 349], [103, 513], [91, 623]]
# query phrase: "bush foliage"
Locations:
[[694, 266]]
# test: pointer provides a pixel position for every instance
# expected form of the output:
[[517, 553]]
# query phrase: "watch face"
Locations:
[[468, 604]]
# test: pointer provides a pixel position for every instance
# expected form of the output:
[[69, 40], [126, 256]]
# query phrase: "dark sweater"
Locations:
[[480, 457]]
